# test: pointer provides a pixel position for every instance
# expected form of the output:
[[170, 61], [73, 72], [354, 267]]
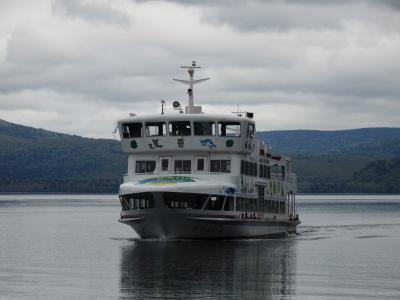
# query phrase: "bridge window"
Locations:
[[156, 129], [274, 171], [178, 128], [204, 128], [183, 166], [251, 170], [254, 170], [226, 166], [200, 164], [215, 166], [231, 129], [164, 165], [265, 171], [248, 168], [220, 166], [132, 130], [143, 166], [250, 130]]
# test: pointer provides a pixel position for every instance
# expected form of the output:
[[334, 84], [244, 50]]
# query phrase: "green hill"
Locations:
[[364, 141], [37, 160], [382, 176], [326, 161]]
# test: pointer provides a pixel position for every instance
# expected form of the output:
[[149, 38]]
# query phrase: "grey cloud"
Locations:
[[294, 16], [390, 3], [91, 11], [283, 15], [270, 16]]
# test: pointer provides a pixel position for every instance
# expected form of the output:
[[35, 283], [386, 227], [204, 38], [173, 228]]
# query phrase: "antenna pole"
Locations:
[[238, 112], [162, 106], [190, 83]]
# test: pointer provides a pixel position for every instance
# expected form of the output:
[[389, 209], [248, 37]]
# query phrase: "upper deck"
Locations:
[[187, 133], [216, 147]]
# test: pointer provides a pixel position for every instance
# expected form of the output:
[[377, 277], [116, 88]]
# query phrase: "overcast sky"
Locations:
[[77, 66]]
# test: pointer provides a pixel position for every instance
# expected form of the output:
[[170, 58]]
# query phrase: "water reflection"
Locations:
[[231, 269]]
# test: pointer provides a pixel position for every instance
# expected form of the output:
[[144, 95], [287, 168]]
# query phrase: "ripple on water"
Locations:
[[371, 236]]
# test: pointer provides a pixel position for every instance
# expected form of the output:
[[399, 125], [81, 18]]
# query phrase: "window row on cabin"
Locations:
[[278, 171], [248, 168], [184, 128], [260, 205], [264, 171], [219, 202], [198, 201], [183, 166], [137, 201], [178, 200]]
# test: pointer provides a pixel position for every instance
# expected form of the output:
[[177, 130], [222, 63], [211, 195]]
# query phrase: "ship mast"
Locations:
[[190, 109]]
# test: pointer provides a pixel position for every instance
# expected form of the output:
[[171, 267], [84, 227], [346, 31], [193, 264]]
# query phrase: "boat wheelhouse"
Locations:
[[196, 175]]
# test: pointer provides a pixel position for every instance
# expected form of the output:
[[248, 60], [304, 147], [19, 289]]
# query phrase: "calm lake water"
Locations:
[[72, 247]]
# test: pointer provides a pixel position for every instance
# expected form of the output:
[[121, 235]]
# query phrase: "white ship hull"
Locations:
[[164, 223]]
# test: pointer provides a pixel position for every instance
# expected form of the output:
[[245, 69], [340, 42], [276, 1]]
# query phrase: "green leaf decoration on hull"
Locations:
[[229, 143], [133, 144]]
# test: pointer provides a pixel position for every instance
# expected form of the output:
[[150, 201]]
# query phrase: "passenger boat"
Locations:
[[193, 175]]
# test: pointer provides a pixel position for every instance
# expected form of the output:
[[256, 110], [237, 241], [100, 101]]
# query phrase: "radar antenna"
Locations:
[[191, 108], [238, 112]]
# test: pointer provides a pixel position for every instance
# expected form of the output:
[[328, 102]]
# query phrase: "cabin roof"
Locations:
[[190, 117]]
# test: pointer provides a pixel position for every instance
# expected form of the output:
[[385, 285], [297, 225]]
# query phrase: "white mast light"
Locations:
[[191, 109]]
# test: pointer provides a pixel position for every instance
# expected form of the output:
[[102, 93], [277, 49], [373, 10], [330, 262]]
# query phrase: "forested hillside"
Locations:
[[364, 141], [327, 161], [382, 176], [37, 160]]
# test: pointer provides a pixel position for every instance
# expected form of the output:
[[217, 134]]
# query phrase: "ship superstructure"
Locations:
[[196, 175]]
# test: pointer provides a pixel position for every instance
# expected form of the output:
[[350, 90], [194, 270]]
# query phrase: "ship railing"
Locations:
[[277, 176], [127, 175], [291, 177]]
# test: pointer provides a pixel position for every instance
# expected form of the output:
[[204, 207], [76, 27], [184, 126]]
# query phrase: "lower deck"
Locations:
[[171, 215], [245, 207]]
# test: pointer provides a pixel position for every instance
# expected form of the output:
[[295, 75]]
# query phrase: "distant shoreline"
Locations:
[[54, 193]]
